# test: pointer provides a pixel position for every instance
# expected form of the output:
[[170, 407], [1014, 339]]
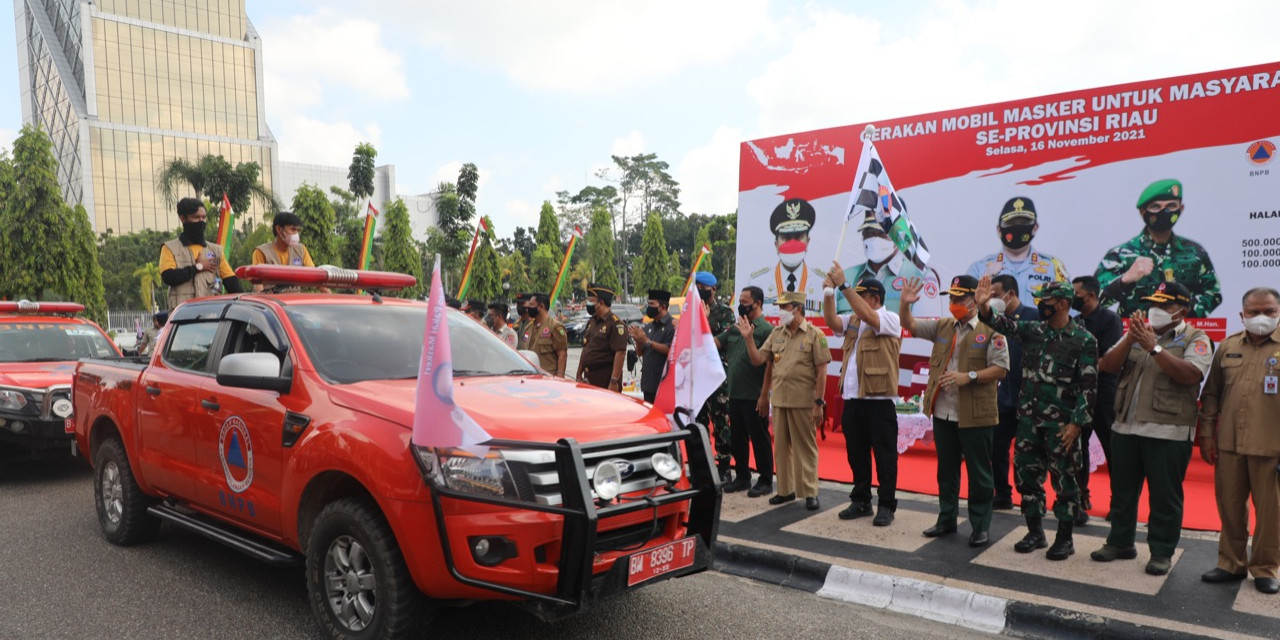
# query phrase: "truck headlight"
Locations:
[[61, 408], [13, 400], [607, 480], [463, 472], [665, 465]]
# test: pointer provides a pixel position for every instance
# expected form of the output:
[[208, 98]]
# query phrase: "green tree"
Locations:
[[148, 276], [548, 226], [651, 266], [399, 252], [703, 239], [244, 244], [515, 272], [600, 255], [543, 268], [360, 173], [468, 188], [84, 278], [349, 227], [120, 258], [486, 274], [318, 222], [210, 177]]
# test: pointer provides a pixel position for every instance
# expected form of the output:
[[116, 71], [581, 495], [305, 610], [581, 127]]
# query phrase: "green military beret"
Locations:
[[1169, 189], [1062, 290]]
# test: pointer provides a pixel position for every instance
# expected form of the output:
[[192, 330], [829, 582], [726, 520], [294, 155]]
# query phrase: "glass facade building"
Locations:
[[125, 86]]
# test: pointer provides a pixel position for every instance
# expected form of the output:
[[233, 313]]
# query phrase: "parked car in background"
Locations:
[[575, 326], [629, 313]]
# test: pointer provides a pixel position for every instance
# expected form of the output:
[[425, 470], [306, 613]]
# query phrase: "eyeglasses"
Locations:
[[1172, 207]]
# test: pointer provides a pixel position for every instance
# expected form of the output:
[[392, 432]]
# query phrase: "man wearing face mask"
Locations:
[[522, 318], [1006, 299], [1238, 436], [604, 342], [286, 249], [886, 264], [791, 222], [545, 336], [1017, 226], [1106, 327], [1059, 382], [1130, 272], [969, 358], [715, 413], [1160, 365], [498, 324], [653, 342], [748, 419], [192, 267], [795, 357]]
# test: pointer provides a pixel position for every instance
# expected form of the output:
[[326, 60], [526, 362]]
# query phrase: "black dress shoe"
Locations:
[[855, 510], [938, 530], [741, 484], [979, 539], [1002, 503], [760, 489], [1267, 585], [884, 517], [1218, 575], [811, 503], [780, 499]]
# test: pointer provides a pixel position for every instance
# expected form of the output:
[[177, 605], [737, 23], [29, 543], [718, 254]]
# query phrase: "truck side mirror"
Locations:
[[252, 371]]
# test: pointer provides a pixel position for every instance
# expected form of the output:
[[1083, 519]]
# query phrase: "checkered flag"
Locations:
[[872, 191]]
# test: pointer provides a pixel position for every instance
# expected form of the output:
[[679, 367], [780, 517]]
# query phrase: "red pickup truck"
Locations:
[[280, 424], [39, 345]]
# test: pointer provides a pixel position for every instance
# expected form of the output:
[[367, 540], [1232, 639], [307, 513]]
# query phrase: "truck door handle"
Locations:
[[153, 391], [209, 404]]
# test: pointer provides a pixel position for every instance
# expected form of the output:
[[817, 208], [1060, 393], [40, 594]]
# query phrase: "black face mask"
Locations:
[[1078, 304], [1046, 309], [532, 311], [652, 312], [744, 310], [591, 308], [523, 312], [705, 294], [193, 232], [1162, 220], [1017, 236]]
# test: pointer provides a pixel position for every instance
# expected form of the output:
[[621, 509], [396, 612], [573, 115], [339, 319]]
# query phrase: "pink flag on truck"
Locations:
[[694, 370], [437, 421]]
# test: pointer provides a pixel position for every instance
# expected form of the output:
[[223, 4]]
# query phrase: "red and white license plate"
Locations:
[[69, 424], [650, 564]]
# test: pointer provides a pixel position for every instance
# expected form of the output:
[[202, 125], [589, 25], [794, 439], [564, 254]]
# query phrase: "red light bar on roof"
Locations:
[[27, 306], [269, 274]]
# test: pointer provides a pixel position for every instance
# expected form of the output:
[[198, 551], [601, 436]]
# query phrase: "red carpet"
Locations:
[[918, 470]]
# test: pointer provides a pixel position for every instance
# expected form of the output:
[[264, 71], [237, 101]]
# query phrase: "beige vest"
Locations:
[[296, 257], [1160, 399], [976, 403], [877, 360], [204, 284]]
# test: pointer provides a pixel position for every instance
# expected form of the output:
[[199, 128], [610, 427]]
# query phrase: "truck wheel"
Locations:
[[122, 507], [357, 581]]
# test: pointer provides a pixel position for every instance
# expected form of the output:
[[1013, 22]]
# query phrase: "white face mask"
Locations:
[[997, 306], [1159, 318], [294, 240], [1261, 325], [787, 316], [878, 249]]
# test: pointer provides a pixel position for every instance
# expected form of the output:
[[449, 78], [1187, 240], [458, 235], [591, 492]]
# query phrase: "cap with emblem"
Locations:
[[792, 216], [1168, 189], [601, 293], [1018, 210], [791, 297], [871, 227], [870, 285], [1170, 292], [660, 296], [1062, 290], [705, 278], [962, 286]]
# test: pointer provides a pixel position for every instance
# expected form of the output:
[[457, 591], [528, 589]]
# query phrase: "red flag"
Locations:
[[694, 370]]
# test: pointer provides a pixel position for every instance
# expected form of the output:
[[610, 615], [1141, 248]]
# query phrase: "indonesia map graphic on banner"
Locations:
[[694, 370]]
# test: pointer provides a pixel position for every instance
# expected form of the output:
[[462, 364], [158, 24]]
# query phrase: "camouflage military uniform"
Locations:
[[1179, 260], [1059, 381], [720, 317]]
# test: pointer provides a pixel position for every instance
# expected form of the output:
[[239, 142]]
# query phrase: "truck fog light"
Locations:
[[665, 466], [62, 407], [607, 480], [17, 426], [491, 550]]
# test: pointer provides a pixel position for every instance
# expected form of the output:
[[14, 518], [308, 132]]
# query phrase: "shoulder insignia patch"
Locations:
[[998, 342], [1200, 348]]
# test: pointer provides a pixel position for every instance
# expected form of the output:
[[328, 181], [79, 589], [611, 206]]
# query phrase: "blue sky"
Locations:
[[539, 94]]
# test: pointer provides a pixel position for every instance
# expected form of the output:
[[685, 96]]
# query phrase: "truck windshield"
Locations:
[[51, 342], [353, 343]]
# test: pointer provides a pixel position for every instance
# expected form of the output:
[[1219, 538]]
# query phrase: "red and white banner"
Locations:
[[694, 370]]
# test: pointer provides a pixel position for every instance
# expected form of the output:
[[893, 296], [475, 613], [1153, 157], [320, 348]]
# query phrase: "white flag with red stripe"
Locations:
[[694, 370]]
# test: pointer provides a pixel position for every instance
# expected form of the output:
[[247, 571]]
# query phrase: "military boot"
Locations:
[[1062, 547], [1034, 539]]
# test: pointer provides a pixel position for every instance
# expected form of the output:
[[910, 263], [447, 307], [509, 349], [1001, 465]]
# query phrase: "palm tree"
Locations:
[[210, 177], [148, 278]]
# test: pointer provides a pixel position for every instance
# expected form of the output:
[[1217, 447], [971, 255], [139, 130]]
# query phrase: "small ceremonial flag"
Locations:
[[437, 421], [697, 262], [226, 225], [366, 247], [694, 370], [137, 327], [466, 273], [564, 264], [872, 191]]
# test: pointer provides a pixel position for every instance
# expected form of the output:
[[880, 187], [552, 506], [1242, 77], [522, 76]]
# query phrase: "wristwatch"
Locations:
[[819, 402], [199, 266], [973, 376], [1156, 351], [844, 285]]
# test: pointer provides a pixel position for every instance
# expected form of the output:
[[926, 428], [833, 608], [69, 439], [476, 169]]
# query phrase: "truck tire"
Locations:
[[121, 505], [357, 581]]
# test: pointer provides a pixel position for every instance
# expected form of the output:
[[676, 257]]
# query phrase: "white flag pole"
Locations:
[[866, 135]]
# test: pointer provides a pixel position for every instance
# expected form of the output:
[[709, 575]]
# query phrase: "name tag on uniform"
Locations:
[[1270, 385]]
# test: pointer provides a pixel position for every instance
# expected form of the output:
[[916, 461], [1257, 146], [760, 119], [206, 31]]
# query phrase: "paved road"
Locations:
[[62, 580]]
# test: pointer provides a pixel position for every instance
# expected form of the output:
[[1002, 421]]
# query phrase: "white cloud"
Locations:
[[318, 142], [708, 175], [628, 145]]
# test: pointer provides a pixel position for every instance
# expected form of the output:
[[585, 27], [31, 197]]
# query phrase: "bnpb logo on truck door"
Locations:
[[236, 451]]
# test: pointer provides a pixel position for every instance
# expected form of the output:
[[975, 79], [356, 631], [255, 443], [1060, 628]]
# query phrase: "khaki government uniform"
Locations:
[[547, 340], [173, 254], [964, 418], [1244, 419], [1151, 439], [796, 356], [601, 341], [295, 256]]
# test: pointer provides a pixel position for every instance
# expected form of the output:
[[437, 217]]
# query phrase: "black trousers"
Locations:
[[1104, 415], [1000, 446], [871, 428], [749, 430]]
